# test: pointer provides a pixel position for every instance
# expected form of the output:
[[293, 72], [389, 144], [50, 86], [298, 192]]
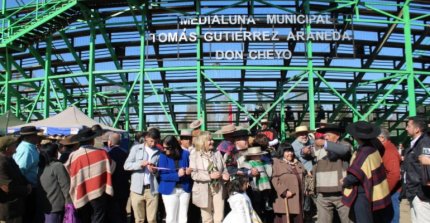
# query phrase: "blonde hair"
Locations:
[[199, 142]]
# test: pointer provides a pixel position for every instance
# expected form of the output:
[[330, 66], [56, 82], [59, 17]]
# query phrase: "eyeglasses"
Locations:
[[167, 147]]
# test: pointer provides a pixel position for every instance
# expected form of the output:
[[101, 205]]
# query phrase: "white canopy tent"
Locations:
[[65, 123]]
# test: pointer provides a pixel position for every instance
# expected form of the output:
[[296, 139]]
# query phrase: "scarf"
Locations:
[[261, 182]]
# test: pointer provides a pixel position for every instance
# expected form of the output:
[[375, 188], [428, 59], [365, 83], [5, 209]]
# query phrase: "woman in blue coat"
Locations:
[[175, 180]]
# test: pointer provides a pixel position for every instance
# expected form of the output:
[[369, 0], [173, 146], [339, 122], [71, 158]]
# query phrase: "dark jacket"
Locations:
[[414, 170], [120, 177], [54, 187], [12, 203]]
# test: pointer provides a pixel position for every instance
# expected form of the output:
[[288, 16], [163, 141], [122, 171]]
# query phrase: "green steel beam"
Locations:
[[201, 113], [368, 63], [409, 59], [141, 117], [164, 81], [48, 14], [91, 76], [256, 122], [56, 96], [8, 77], [344, 100], [125, 102], [239, 106], [231, 67], [47, 69], [40, 60], [169, 118], [309, 59], [223, 8], [374, 106], [35, 103]]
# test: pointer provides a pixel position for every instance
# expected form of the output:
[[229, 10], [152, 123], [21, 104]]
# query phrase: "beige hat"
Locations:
[[255, 151], [195, 124], [186, 132], [302, 128], [227, 129]]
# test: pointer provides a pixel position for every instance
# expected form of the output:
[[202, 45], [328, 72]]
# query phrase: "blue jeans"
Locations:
[[395, 200]]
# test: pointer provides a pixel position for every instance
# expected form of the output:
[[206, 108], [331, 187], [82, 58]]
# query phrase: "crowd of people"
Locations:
[[90, 177]]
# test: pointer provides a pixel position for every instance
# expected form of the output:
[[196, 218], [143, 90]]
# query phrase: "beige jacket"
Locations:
[[200, 175]]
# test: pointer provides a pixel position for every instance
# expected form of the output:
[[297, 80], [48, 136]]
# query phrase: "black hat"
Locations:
[[363, 130], [286, 147], [331, 128], [240, 133], [29, 130], [86, 134]]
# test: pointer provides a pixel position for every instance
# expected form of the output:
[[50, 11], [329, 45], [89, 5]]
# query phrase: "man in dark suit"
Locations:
[[13, 185], [417, 189]]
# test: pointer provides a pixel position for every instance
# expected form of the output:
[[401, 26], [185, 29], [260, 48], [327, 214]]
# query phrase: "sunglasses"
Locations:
[[167, 147]]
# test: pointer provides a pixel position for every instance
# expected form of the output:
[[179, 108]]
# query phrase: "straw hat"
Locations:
[[195, 124], [227, 129], [255, 151], [301, 128]]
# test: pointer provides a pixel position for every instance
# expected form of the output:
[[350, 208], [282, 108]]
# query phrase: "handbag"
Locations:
[[70, 214]]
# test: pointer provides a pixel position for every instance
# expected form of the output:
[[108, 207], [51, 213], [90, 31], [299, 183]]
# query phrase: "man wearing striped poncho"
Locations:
[[365, 186], [90, 172]]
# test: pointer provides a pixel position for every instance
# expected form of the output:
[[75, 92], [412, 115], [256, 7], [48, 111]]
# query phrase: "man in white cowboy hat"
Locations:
[[302, 147], [27, 158], [332, 162], [270, 133], [186, 139]]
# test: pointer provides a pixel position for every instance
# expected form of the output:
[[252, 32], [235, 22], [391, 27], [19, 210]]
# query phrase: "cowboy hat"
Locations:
[[331, 128], [242, 132], [195, 124], [29, 130], [186, 133], [86, 134], [363, 130], [301, 128], [68, 141], [227, 129], [255, 151], [6, 141]]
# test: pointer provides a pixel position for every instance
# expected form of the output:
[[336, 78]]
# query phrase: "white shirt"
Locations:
[[150, 153], [414, 141]]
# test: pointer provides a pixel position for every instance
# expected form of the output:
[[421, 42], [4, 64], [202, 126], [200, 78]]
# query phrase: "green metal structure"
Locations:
[[98, 55]]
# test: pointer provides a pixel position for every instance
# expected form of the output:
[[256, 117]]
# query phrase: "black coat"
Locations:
[[414, 170], [12, 204]]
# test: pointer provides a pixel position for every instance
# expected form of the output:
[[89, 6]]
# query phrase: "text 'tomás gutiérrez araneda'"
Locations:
[[278, 31]]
